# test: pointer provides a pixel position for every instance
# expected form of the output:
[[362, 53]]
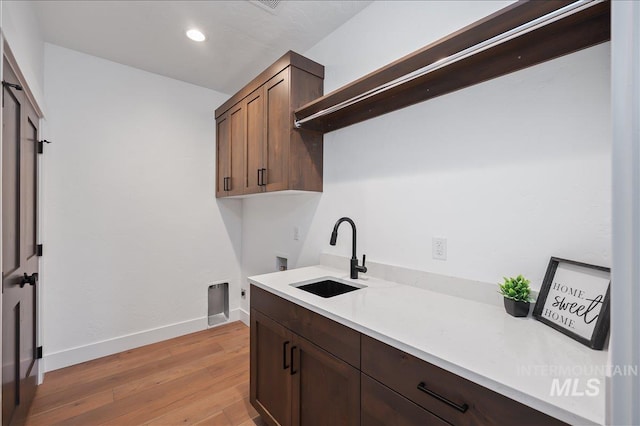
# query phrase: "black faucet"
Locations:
[[355, 268]]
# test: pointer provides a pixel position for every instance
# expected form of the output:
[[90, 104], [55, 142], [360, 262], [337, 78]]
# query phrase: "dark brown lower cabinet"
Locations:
[[271, 382], [383, 407], [326, 390], [309, 370], [295, 382], [447, 395]]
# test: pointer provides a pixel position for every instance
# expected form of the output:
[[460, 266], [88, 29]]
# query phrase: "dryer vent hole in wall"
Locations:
[[218, 303], [281, 263]]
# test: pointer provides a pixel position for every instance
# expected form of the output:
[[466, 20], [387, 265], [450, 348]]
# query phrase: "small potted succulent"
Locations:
[[516, 295]]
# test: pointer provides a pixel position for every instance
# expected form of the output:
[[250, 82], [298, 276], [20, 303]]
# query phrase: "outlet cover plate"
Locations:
[[439, 248]]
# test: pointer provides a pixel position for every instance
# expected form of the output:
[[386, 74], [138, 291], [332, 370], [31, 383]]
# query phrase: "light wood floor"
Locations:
[[201, 378]]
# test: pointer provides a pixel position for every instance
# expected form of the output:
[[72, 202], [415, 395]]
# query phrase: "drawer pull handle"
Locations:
[[293, 348], [284, 355], [462, 408]]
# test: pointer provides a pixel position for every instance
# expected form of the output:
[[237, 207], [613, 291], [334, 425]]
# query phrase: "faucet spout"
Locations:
[[354, 268]]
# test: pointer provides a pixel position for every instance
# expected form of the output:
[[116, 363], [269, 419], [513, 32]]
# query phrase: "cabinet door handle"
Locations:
[[284, 355], [462, 408], [225, 184], [259, 181], [293, 349], [262, 180]]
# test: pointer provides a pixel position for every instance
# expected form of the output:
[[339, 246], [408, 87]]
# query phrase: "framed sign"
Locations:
[[574, 299]]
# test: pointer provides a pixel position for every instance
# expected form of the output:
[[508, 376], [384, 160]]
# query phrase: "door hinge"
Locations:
[[39, 352], [41, 145], [15, 86], [39, 250]]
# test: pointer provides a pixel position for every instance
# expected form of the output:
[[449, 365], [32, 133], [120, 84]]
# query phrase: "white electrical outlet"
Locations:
[[296, 233], [439, 248]]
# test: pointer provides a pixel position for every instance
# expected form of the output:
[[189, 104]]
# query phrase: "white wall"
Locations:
[[20, 27], [511, 171], [133, 232]]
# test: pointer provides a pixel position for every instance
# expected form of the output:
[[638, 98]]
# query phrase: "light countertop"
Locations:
[[520, 358]]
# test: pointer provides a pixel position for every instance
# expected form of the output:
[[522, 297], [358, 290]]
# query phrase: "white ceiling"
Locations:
[[243, 38]]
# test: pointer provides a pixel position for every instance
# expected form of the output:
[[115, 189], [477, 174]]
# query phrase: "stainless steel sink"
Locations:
[[328, 287]]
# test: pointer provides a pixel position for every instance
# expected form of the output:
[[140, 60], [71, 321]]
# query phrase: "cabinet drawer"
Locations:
[[450, 397], [333, 337], [383, 407]]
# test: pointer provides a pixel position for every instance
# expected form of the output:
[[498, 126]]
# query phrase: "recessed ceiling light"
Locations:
[[196, 35]]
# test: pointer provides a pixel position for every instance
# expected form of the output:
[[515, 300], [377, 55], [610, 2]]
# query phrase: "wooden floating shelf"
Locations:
[[578, 31]]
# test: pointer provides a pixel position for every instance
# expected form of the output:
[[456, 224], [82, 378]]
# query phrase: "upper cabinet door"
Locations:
[[236, 181], [223, 155], [278, 128], [254, 150], [230, 141]]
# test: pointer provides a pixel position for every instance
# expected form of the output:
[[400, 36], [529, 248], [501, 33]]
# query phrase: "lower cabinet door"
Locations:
[[383, 407], [271, 349], [326, 390]]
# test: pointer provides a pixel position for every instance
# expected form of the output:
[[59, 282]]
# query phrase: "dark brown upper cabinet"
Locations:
[[230, 151], [258, 148], [449, 64]]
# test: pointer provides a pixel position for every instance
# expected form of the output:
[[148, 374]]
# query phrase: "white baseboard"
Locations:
[[242, 316], [77, 355]]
